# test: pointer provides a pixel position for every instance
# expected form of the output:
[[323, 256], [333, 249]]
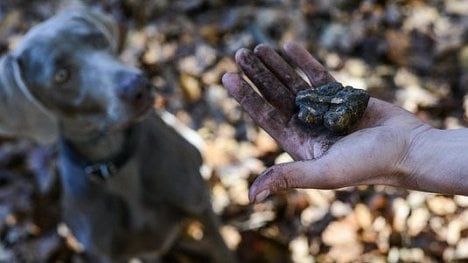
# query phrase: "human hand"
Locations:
[[373, 153]]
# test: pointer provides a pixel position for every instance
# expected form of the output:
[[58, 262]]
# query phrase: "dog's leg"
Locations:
[[219, 251]]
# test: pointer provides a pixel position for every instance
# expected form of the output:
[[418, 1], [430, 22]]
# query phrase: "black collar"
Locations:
[[104, 169]]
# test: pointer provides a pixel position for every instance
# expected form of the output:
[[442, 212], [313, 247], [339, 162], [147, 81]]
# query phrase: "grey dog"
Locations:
[[129, 180]]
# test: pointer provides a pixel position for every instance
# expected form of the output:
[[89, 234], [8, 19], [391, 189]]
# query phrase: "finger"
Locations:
[[356, 159], [266, 116], [269, 86], [317, 74], [280, 68], [302, 174]]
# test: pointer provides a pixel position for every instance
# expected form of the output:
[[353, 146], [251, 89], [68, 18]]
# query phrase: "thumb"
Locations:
[[356, 159], [322, 173]]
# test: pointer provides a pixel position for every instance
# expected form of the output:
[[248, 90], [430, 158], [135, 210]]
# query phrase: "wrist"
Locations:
[[436, 161], [414, 161]]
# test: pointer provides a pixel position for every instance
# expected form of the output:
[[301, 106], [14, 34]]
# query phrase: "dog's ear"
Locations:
[[21, 115], [103, 23]]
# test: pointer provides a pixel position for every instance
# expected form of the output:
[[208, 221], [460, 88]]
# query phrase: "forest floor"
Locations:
[[412, 53]]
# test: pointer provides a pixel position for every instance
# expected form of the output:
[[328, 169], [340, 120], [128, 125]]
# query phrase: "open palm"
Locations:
[[372, 153]]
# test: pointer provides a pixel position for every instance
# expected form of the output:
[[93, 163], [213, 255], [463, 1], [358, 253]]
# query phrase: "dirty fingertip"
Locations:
[[230, 78], [262, 196], [240, 55], [259, 190], [232, 82], [290, 45], [256, 196], [260, 48]]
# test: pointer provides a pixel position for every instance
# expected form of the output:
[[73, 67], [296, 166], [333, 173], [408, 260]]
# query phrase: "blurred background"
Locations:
[[412, 53]]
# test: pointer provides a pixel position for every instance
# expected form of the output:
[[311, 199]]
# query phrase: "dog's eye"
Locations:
[[61, 76]]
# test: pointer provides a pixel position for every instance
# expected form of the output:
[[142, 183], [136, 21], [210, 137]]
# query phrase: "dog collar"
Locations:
[[105, 169]]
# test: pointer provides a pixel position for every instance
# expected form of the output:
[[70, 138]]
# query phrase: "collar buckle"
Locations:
[[101, 171]]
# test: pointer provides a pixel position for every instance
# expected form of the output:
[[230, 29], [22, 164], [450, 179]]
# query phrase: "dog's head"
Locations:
[[65, 73]]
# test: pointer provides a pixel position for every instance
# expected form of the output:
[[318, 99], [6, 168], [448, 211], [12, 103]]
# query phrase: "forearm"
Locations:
[[437, 161]]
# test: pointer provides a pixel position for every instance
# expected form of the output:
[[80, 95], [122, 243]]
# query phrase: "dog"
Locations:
[[129, 180]]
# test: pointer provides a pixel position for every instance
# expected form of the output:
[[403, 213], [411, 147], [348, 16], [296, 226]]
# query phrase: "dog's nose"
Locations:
[[134, 88]]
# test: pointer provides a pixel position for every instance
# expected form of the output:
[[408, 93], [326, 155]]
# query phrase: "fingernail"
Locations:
[[262, 196]]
